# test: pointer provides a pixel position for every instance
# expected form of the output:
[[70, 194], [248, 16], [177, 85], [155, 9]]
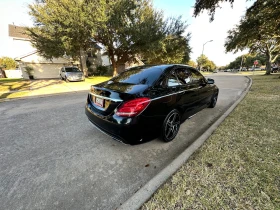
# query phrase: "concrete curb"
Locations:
[[145, 192]]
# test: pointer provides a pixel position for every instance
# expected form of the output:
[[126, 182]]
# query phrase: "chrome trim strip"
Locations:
[[119, 100], [106, 98], [170, 94]]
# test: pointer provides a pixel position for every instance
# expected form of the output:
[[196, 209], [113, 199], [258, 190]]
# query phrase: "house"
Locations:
[[18, 43], [43, 68], [26, 55]]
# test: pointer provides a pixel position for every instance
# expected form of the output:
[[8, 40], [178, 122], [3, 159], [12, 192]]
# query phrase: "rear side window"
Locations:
[[172, 80], [145, 75]]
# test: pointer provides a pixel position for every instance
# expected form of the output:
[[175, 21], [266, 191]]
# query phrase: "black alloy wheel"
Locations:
[[213, 101], [171, 126]]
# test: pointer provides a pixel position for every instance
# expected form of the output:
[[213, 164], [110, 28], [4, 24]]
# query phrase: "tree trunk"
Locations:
[[83, 62], [268, 64], [268, 61], [114, 65]]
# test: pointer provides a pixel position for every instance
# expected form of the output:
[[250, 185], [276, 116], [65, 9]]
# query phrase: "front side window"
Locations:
[[197, 77], [184, 76]]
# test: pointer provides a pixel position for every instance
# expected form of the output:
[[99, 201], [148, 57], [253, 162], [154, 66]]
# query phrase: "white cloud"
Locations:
[[202, 31]]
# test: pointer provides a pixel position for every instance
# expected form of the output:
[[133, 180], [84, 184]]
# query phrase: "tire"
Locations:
[[213, 101], [171, 126]]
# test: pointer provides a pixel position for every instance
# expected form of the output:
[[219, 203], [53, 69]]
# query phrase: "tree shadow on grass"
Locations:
[[27, 86]]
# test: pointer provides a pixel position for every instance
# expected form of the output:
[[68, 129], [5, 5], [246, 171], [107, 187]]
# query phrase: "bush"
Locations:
[[110, 71], [90, 71], [101, 70], [29, 70]]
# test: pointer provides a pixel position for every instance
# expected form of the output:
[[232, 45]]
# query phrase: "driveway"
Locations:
[[53, 158]]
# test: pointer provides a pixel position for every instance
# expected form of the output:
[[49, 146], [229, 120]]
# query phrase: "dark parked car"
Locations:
[[147, 101], [71, 73], [274, 69]]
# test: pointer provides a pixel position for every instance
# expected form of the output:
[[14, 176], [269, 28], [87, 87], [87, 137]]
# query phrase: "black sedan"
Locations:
[[145, 102]]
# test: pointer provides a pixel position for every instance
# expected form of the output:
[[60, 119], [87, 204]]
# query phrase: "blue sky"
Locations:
[[15, 11], [175, 7]]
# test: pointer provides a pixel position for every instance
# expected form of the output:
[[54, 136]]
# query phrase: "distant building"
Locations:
[[26, 55], [21, 49]]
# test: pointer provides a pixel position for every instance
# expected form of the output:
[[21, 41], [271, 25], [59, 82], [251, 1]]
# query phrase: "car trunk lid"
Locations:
[[107, 96]]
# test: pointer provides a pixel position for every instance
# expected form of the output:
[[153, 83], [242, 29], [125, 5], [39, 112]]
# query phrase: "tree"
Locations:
[[7, 63], [210, 65], [201, 61], [192, 63], [263, 39], [136, 28], [247, 61], [205, 63], [129, 30], [209, 5], [65, 26], [173, 47], [126, 28], [271, 8]]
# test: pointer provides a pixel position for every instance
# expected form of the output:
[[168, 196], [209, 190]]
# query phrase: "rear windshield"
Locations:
[[72, 69], [145, 75]]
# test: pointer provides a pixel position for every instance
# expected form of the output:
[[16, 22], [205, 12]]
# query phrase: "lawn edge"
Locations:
[[145, 192]]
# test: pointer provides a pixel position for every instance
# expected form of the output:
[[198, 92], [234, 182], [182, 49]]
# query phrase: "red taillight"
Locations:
[[133, 107]]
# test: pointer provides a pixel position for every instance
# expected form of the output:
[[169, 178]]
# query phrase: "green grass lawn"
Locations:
[[7, 84], [14, 88], [252, 73], [238, 167]]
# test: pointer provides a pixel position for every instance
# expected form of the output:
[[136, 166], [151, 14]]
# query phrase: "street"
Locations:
[[53, 158]]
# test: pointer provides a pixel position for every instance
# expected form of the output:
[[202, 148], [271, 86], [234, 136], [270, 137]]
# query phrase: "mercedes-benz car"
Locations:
[[146, 102], [71, 73]]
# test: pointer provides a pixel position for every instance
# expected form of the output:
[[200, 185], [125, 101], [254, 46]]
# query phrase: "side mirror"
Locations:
[[210, 81]]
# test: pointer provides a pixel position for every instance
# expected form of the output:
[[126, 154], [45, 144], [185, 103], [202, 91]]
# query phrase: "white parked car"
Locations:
[[71, 73]]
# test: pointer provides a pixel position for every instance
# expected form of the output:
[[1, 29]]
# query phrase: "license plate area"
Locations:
[[99, 102]]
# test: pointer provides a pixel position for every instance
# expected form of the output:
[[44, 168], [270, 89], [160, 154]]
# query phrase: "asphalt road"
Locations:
[[53, 158]]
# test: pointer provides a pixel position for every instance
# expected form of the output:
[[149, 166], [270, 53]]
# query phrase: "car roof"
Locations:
[[165, 66]]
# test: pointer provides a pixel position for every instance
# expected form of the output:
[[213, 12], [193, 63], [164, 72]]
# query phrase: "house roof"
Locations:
[[26, 55], [17, 32]]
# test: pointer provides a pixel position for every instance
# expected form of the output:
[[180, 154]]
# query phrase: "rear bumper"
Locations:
[[76, 79], [126, 130], [125, 133]]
